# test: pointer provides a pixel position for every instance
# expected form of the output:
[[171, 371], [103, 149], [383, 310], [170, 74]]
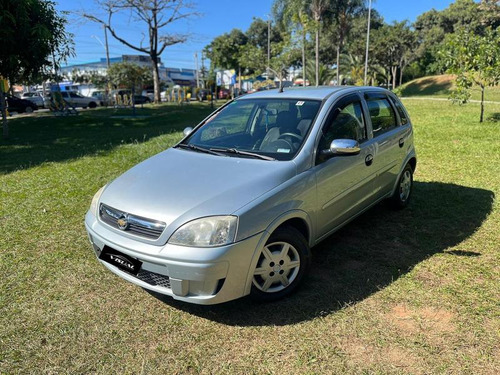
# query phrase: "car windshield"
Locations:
[[273, 127]]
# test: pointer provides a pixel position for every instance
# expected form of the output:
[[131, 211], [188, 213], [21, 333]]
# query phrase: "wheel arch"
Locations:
[[298, 219], [410, 159]]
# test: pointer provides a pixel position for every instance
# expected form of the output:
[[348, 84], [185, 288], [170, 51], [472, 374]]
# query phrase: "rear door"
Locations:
[[344, 183], [388, 139]]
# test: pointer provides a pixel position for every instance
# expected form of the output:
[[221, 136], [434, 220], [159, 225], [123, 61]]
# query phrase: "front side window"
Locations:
[[272, 127], [345, 122], [382, 115]]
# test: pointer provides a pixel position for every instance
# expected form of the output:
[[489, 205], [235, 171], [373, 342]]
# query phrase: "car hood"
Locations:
[[178, 185]]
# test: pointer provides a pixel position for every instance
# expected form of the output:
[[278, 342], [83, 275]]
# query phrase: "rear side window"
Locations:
[[382, 115], [401, 111]]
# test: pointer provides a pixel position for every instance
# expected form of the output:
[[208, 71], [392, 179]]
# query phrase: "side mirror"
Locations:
[[187, 131], [343, 147]]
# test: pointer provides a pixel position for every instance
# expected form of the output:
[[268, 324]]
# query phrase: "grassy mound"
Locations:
[[441, 86]]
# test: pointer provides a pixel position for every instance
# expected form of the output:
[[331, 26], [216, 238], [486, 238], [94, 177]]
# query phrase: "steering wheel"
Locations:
[[293, 135]]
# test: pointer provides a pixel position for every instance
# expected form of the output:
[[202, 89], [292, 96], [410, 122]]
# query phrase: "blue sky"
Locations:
[[216, 17]]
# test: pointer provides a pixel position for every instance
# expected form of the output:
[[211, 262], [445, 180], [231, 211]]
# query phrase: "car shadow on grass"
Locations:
[[366, 255]]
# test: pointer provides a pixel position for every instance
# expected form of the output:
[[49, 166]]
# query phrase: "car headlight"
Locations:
[[93, 206], [206, 232]]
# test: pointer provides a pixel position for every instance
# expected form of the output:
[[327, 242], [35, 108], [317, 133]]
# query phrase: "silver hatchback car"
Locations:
[[234, 208]]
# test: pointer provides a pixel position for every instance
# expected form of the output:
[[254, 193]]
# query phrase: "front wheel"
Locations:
[[282, 264], [28, 109], [401, 197], [92, 105]]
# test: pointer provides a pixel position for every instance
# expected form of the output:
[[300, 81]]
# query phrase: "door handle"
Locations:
[[369, 159], [401, 142]]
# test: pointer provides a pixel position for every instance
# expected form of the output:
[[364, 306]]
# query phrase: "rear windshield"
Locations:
[[270, 127]]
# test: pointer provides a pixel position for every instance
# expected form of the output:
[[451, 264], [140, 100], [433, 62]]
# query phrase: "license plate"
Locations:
[[120, 260]]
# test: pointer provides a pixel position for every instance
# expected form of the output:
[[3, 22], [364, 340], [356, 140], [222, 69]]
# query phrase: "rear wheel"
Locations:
[[281, 266], [401, 197], [92, 105], [28, 109]]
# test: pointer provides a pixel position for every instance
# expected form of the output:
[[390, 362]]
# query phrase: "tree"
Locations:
[[129, 76], [224, 50], [393, 46], [34, 43], [93, 77], [325, 74], [292, 14], [344, 11], [433, 26], [317, 8], [283, 55], [156, 14], [475, 59], [352, 67]]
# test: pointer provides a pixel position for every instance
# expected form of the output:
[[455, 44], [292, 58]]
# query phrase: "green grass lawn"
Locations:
[[409, 292]]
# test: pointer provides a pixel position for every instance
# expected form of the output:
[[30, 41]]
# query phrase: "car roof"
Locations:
[[318, 93]]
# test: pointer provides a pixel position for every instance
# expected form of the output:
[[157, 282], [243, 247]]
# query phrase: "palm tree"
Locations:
[[292, 13], [324, 73], [352, 67]]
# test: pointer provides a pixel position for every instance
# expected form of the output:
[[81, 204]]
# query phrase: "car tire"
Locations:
[[28, 109], [281, 266], [92, 105], [401, 197]]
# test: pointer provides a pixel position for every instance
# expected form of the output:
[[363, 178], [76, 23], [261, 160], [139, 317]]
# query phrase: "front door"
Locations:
[[344, 183]]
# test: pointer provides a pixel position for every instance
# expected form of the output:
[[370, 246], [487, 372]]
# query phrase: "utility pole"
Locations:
[[268, 45], [367, 40], [197, 70]]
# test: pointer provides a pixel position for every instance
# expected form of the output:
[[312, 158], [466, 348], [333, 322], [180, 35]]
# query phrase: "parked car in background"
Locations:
[[101, 97], [33, 97], [75, 100], [150, 93], [15, 104], [234, 208]]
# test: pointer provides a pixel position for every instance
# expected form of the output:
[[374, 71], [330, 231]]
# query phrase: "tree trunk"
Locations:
[[401, 75], [482, 104], [317, 57], [394, 70], [3, 106], [156, 79], [338, 65], [303, 56]]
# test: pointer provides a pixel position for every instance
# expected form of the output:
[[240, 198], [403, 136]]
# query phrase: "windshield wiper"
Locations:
[[244, 153], [198, 148]]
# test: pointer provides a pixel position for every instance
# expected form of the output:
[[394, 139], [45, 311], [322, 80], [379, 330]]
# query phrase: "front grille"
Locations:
[[154, 279], [133, 224]]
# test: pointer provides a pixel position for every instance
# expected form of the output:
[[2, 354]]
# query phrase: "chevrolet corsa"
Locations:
[[234, 208]]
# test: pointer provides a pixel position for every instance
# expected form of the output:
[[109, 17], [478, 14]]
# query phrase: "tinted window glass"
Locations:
[[382, 115], [347, 122], [272, 127], [401, 112]]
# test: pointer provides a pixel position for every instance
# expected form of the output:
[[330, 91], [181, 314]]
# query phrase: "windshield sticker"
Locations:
[[283, 150], [299, 103]]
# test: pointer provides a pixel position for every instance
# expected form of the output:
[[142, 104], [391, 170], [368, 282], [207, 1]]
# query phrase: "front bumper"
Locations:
[[196, 275]]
